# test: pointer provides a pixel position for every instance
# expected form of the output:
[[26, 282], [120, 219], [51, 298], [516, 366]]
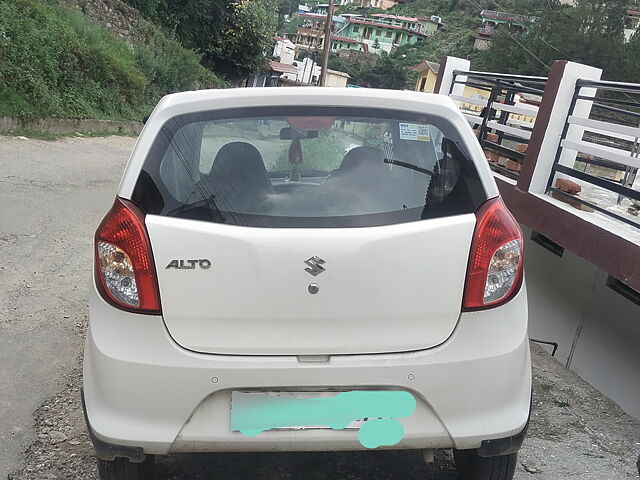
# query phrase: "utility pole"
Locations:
[[327, 43]]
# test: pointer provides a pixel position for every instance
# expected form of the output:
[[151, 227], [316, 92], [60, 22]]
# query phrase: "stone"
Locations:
[[568, 186], [56, 437], [492, 137], [521, 147]]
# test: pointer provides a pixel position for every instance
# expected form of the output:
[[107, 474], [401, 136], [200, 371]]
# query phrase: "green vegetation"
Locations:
[[394, 71], [590, 33], [55, 63], [233, 37], [322, 153]]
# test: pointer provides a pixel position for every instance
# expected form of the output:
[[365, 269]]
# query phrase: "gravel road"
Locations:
[[52, 195]]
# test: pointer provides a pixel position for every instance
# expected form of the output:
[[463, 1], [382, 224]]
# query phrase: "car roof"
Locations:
[[183, 103], [203, 100]]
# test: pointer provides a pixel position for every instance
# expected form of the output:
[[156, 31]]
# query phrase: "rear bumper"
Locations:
[[144, 391]]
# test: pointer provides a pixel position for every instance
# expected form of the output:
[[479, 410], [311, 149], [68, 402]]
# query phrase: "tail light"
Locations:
[[494, 274], [125, 272]]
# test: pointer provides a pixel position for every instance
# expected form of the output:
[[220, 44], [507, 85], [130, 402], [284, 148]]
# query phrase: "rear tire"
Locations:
[[123, 469], [471, 466]]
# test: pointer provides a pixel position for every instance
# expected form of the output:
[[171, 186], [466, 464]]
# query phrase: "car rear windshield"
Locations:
[[308, 167]]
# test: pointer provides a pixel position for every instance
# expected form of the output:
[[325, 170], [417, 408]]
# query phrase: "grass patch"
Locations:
[[562, 403], [55, 63]]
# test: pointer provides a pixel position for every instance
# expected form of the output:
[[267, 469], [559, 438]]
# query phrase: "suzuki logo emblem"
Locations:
[[315, 266]]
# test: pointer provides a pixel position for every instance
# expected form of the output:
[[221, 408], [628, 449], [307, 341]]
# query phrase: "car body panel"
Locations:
[[383, 289], [380, 319], [144, 390]]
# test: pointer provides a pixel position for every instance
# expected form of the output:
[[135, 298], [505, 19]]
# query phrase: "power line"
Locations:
[[560, 51], [541, 38]]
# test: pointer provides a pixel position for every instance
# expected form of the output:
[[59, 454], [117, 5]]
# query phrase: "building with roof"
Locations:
[[632, 23], [427, 76], [428, 26], [492, 20], [285, 50], [339, 43], [305, 72], [335, 78], [273, 77], [310, 34], [382, 4], [380, 34]]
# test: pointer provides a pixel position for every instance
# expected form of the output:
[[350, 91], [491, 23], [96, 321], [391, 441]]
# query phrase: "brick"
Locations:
[[513, 165], [492, 157], [521, 147], [492, 137], [568, 186]]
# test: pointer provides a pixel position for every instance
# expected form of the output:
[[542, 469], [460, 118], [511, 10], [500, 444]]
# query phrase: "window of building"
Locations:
[[423, 83], [379, 32], [356, 28], [389, 34]]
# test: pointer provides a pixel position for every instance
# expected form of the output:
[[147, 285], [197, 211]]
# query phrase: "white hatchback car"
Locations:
[[307, 269]]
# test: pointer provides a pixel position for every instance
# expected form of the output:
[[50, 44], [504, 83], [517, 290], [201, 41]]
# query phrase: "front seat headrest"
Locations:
[[241, 162], [359, 157]]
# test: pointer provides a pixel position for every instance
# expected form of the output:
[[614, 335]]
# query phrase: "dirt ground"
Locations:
[[52, 195]]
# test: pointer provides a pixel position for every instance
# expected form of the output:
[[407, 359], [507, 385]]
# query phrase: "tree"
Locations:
[[233, 37], [247, 32], [589, 33], [386, 73]]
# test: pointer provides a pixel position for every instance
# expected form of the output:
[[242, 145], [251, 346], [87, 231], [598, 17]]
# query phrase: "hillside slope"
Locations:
[[56, 62]]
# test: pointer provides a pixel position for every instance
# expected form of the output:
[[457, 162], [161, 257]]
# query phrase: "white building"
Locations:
[[285, 50], [632, 23], [308, 72]]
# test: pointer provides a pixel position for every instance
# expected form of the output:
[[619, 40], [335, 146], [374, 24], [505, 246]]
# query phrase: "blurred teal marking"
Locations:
[[252, 414], [380, 431]]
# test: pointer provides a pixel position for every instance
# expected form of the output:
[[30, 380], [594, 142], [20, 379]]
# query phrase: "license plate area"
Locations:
[[275, 408]]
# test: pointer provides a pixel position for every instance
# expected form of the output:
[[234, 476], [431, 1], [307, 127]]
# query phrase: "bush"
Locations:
[[55, 63]]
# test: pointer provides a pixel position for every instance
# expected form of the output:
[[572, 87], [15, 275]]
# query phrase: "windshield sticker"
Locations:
[[414, 131]]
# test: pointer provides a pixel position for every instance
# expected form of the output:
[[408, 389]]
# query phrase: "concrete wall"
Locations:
[[596, 328], [334, 80]]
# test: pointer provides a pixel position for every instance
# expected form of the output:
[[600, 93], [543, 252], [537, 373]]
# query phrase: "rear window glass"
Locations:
[[308, 167]]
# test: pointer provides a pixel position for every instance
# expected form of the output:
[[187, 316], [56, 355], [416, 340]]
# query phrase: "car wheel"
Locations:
[[471, 466], [123, 469]]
